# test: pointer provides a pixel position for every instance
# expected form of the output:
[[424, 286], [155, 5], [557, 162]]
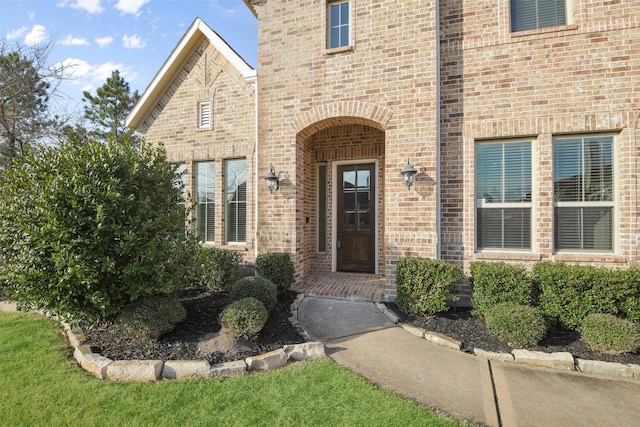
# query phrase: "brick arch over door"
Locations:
[[337, 113]]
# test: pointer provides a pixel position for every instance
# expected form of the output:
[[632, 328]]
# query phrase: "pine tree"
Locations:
[[26, 84], [108, 109]]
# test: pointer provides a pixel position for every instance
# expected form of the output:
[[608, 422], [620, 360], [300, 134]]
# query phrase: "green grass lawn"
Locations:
[[40, 385]]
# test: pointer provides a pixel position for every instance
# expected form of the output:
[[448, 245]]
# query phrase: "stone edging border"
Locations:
[[153, 370], [559, 360]]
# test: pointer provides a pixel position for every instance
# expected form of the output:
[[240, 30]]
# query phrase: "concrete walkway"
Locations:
[[360, 337]]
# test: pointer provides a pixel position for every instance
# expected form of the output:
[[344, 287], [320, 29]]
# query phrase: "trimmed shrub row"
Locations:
[[564, 294], [571, 296]]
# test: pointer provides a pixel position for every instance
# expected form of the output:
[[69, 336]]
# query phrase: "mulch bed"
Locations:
[[459, 324], [203, 310], [204, 307]]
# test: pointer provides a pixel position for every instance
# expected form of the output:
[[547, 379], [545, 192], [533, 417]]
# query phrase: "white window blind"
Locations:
[[503, 195], [532, 14], [205, 200], [235, 175], [583, 193]]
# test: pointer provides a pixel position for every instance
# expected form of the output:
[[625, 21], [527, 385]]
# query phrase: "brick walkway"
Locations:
[[351, 286]]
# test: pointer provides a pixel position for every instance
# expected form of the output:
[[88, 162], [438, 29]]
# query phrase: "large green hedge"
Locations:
[[86, 228]]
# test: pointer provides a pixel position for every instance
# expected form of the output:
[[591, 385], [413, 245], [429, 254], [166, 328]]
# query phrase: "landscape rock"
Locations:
[[559, 360], [134, 370], [492, 355], [619, 370], [304, 351], [229, 369], [8, 306], [91, 362], [443, 340], [414, 330], [173, 369], [272, 360], [390, 314]]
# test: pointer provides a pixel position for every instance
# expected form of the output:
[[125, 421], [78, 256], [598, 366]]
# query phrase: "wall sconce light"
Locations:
[[272, 180], [409, 174]]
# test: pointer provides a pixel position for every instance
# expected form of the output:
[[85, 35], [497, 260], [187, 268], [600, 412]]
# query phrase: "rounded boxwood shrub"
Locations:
[[244, 318], [610, 334], [498, 282], [516, 325], [216, 268], [259, 288], [150, 317], [277, 267], [424, 285]]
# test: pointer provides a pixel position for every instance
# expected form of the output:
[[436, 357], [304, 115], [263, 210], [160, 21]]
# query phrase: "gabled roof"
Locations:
[[194, 35]]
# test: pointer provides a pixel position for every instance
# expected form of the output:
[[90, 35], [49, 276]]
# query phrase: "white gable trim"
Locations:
[[172, 65]]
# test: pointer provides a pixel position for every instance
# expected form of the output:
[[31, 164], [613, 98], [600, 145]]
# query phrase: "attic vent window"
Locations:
[[204, 115]]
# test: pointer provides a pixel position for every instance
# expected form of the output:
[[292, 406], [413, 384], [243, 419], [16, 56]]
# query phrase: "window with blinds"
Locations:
[[503, 195], [204, 115], [205, 200], [532, 14], [583, 193], [235, 177]]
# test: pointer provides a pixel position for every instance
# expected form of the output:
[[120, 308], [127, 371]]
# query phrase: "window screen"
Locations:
[[532, 14]]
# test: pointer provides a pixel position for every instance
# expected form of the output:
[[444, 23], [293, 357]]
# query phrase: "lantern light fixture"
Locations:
[[409, 174]]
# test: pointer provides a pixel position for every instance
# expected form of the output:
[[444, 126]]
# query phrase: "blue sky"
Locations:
[[96, 37]]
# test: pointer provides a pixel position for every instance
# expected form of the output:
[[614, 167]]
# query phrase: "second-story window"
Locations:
[[533, 14], [339, 24]]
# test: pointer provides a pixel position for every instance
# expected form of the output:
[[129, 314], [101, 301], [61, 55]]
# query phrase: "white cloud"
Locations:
[[133, 42], [81, 73], [75, 68], [131, 6], [73, 41], [90, 6], [15, 34], [104, 41], [37, 35]]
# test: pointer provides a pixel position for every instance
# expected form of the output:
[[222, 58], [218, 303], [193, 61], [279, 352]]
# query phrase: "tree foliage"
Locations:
[[26, 86], [88, 227], [108, 109]]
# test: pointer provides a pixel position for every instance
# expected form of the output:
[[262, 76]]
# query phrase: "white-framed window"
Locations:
[[583, 189], [533, 14], [503, 195], [235, 177], [205, 175], [205, 113], [338, 24]]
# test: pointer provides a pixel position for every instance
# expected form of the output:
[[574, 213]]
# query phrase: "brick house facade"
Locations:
[[522, 126]]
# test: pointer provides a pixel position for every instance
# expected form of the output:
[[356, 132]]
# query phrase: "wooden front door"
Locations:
[[356, 218]]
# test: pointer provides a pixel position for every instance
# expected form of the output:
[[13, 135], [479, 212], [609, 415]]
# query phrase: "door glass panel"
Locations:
[[363, 200], [349, 200], [349, 220], [349, 180], [364, 178], [363, 220]]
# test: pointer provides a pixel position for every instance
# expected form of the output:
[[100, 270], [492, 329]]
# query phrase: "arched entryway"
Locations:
[[341, 216]]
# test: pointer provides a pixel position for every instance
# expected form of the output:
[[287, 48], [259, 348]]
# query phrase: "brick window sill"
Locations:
[[545, 31], [507, 256], [336, 50]]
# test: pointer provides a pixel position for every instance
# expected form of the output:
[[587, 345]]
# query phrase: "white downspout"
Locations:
[[257, 174]]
